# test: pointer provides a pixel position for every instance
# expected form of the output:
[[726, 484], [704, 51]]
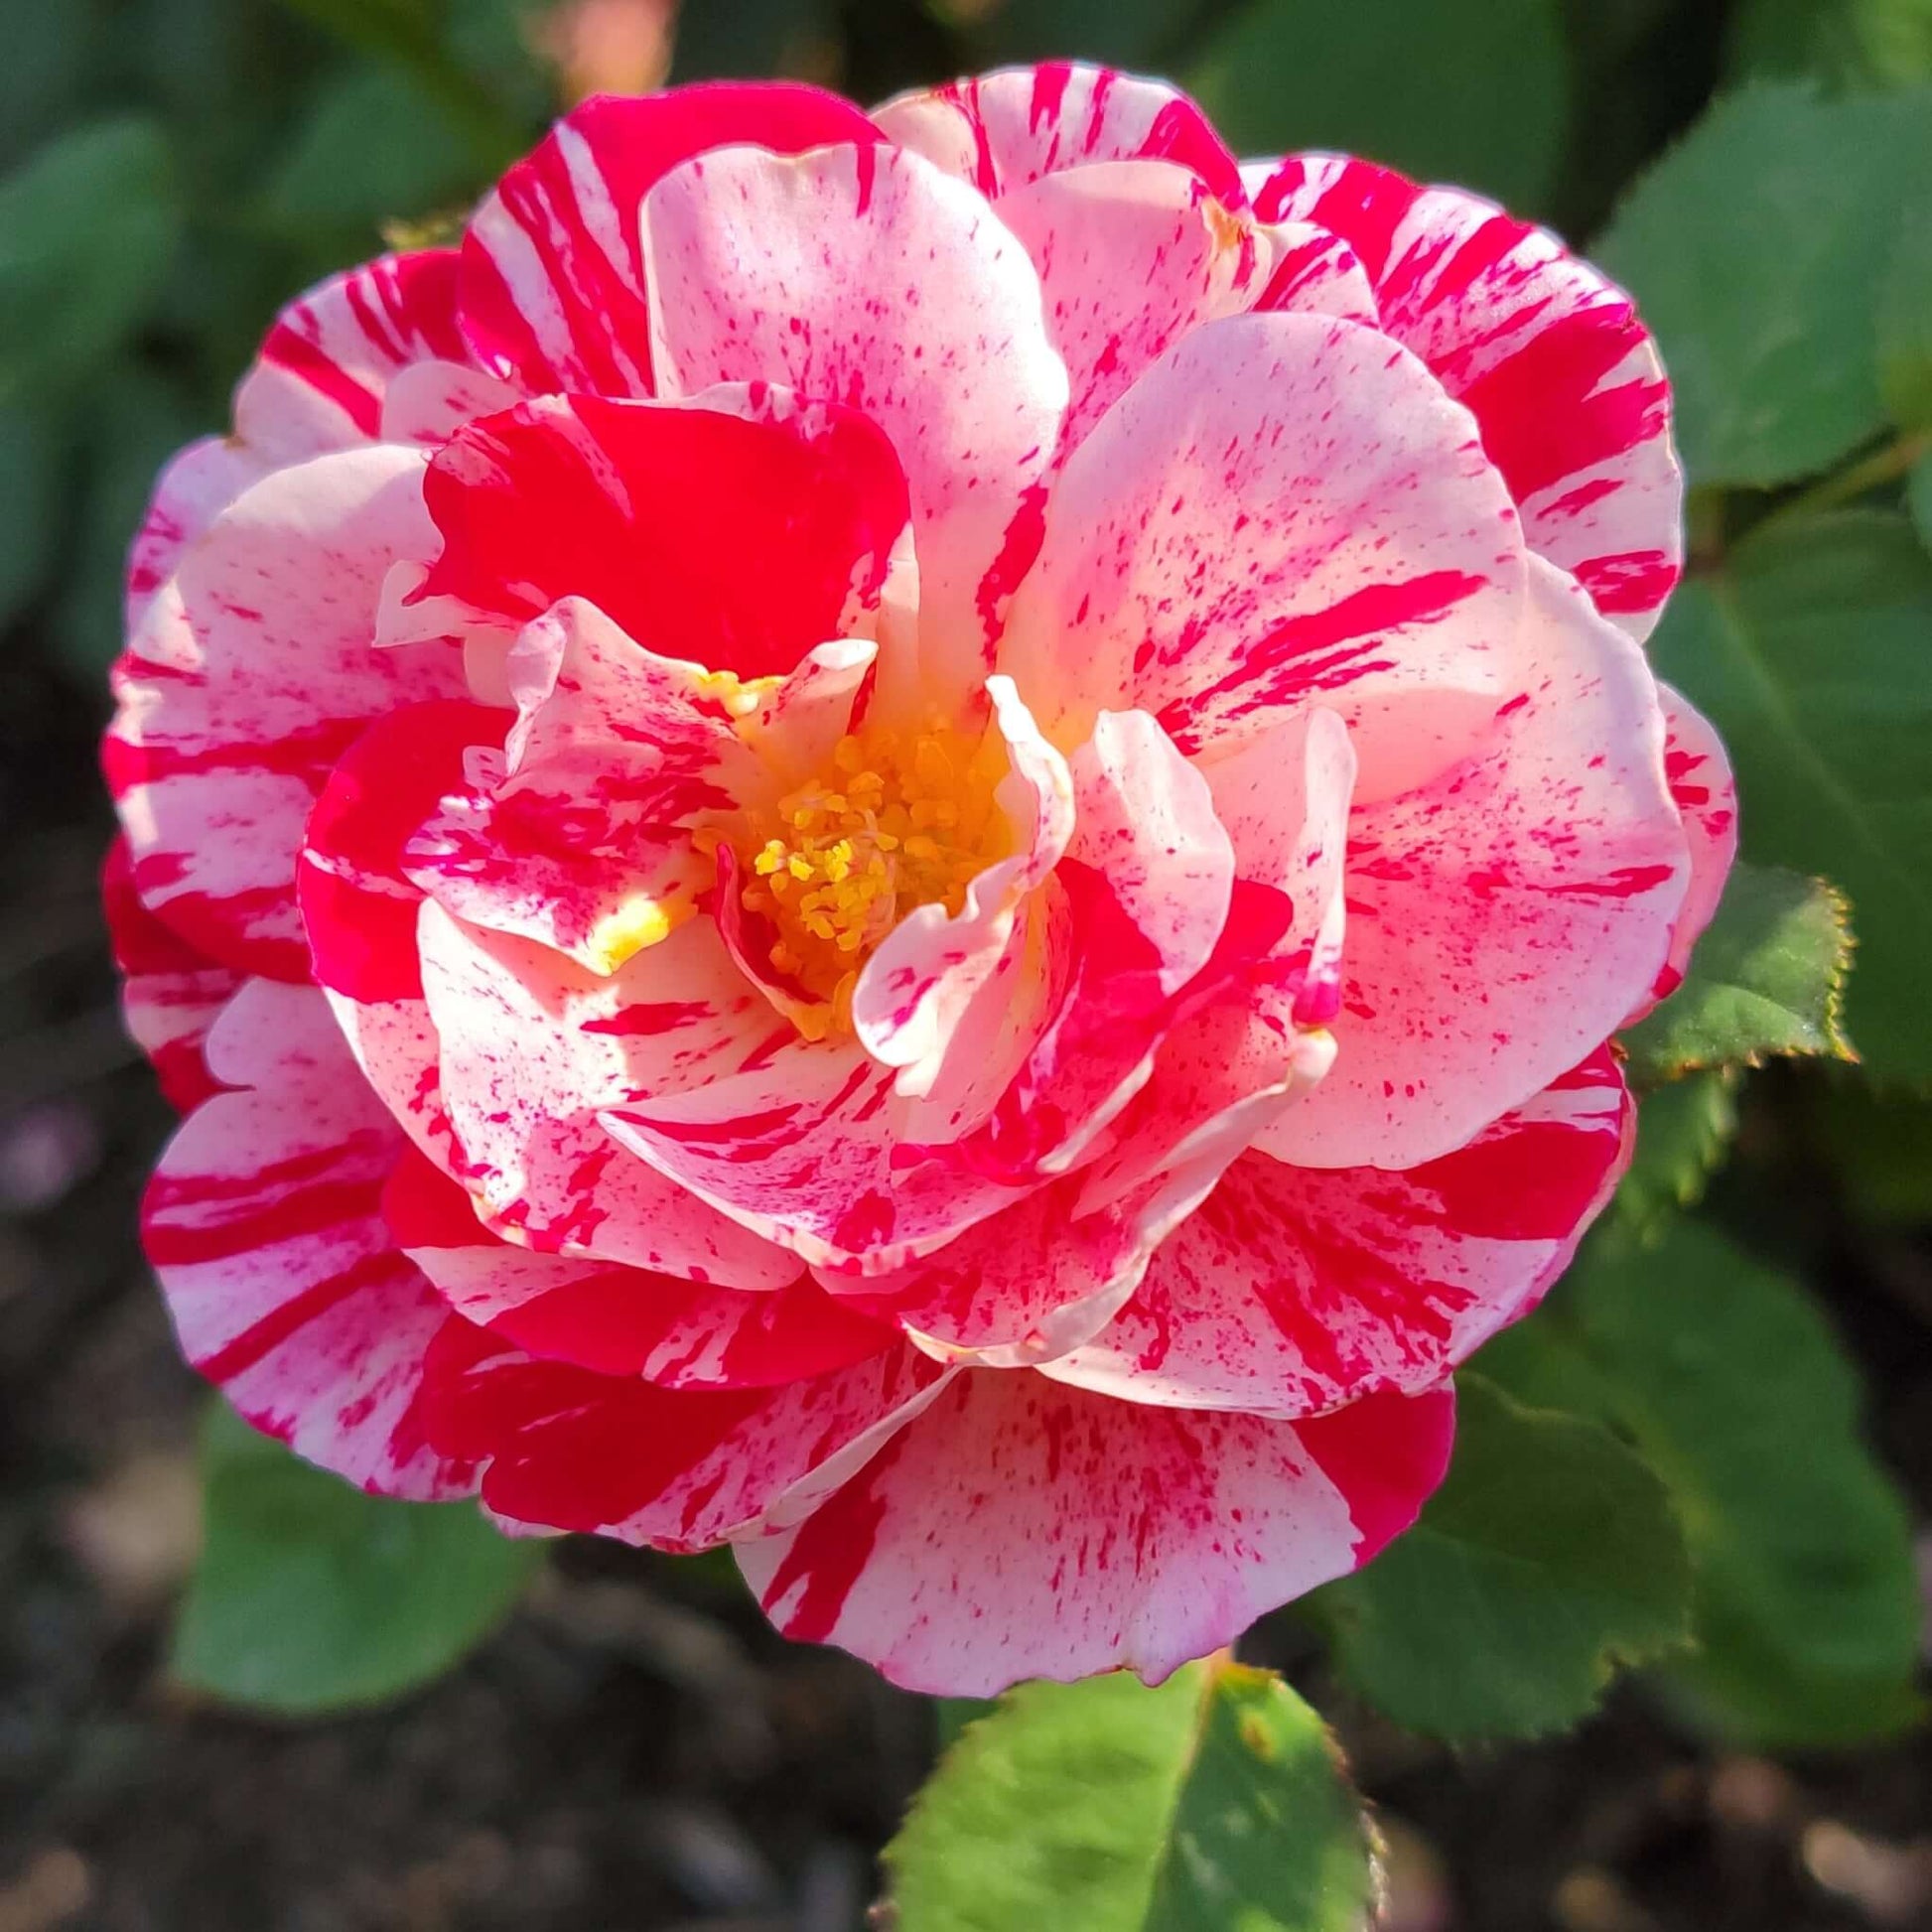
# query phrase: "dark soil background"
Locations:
[[636, 1749]]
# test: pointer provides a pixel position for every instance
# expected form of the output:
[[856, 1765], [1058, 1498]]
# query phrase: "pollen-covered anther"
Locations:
[[896, 822]]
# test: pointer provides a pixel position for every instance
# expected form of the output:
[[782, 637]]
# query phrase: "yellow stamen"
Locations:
[[895, 823]]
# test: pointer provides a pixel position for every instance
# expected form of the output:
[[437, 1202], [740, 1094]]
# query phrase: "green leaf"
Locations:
[[33, 465], [1809, 651], [371, 147], [135, 421], [951, 1716], [1904, 322], [1548, 1559], [1735, 1391], [1854, 43], [1766, 979], [311, 1596], [1684, 1132], [1217, 1800], [1754, 249], [1478, 96], [88, 228]]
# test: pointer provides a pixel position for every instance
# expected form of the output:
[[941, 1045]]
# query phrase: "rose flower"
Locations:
[[911, 840]]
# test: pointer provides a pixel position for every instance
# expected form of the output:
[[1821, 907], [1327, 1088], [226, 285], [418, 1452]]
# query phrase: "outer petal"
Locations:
[[1703, 789], [615, 1320], [1013, 126], [320, 382], [1131, 255], [1294, 1290], [552, 278], [567, 1450], [327, 365], [249, 676], [170, 994], [263, 1221], [1505, 916], [1284, 508], [195, 488], [867, 276], [1316, 273], [652, 510], [1019, 1529], [1548, 355]]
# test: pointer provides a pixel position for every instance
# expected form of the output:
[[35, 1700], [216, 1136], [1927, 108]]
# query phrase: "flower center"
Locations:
[[898, 821]]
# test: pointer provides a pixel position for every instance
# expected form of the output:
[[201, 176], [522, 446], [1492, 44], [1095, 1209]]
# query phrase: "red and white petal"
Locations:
[[320, 382], [325, 366], [264, 1224], [650, 509], [580, 836], [532, 1045], [1131, 255], [249, 676], [195, 488], [562, 1448], [1291, 838], [1549, 356], [1140, 902], [1005, 129], [1505, 916], [865, 275], [616, 1321], [1284, 508], [1025, 1285], [1021, 1528], [358, 909], [1146, 824], [552, 276], [1252, 1035], [170, 993], [428, 402], [1701, 786], [918, 986], [795, 1142], [1316, 273], [1291, 1290]]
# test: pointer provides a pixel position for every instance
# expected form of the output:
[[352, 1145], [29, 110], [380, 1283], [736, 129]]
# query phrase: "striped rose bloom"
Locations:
[[911, 840]]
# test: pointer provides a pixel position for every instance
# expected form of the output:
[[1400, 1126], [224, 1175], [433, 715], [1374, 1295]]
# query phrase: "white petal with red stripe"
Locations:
[[866, 276], [1504, 916], [250, 676], [264, 1223], [1019, 1529], [1284, 508], [1549, 356], [1293, 1290]]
